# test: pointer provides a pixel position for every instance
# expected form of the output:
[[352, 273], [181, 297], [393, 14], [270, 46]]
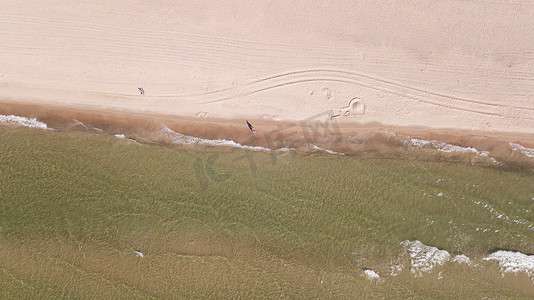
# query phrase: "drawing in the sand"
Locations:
[[251, 127], [141, 90]]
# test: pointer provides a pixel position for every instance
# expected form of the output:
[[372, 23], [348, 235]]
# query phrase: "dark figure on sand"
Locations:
[[251, 127]]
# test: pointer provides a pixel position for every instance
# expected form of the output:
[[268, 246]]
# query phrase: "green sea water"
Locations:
[[87, 215]]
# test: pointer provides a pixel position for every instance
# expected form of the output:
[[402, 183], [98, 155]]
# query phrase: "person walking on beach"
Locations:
[[251, 127], [141, 90]]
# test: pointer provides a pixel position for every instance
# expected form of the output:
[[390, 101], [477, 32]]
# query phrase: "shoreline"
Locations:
[[319, 134], [275, 64], [187, 124]]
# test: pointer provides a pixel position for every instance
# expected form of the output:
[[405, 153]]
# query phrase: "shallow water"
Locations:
[[89, 214]]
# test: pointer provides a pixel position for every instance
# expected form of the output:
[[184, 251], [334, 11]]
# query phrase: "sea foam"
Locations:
[[462, 259], [182, 139], [442, 146], [122, 136], [424, 258], [12, 120], [504, 217], [178, 138], [415, 143], [529, 152], [371, 274], [514, 262], [80, 123], [325, 150]]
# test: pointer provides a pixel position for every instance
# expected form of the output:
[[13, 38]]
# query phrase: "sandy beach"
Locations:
[[392, 156], [455, 65]]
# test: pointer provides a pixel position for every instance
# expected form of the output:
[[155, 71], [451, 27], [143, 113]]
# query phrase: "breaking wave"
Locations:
[[79, 123], [514, 262], [424, 258], [462, 259], [371, 274], [17, 121], [167, 134], [441, 146], [529, 152], [388, 144], [325, 150], [373, 143], [122, 136]]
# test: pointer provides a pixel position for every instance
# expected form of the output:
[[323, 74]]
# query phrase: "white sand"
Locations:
[[458, 64]]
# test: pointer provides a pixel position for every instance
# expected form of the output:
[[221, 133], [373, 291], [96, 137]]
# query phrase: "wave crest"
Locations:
[[17, 121]]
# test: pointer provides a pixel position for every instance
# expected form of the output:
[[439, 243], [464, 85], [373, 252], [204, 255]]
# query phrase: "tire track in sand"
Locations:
[[287, 79]]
